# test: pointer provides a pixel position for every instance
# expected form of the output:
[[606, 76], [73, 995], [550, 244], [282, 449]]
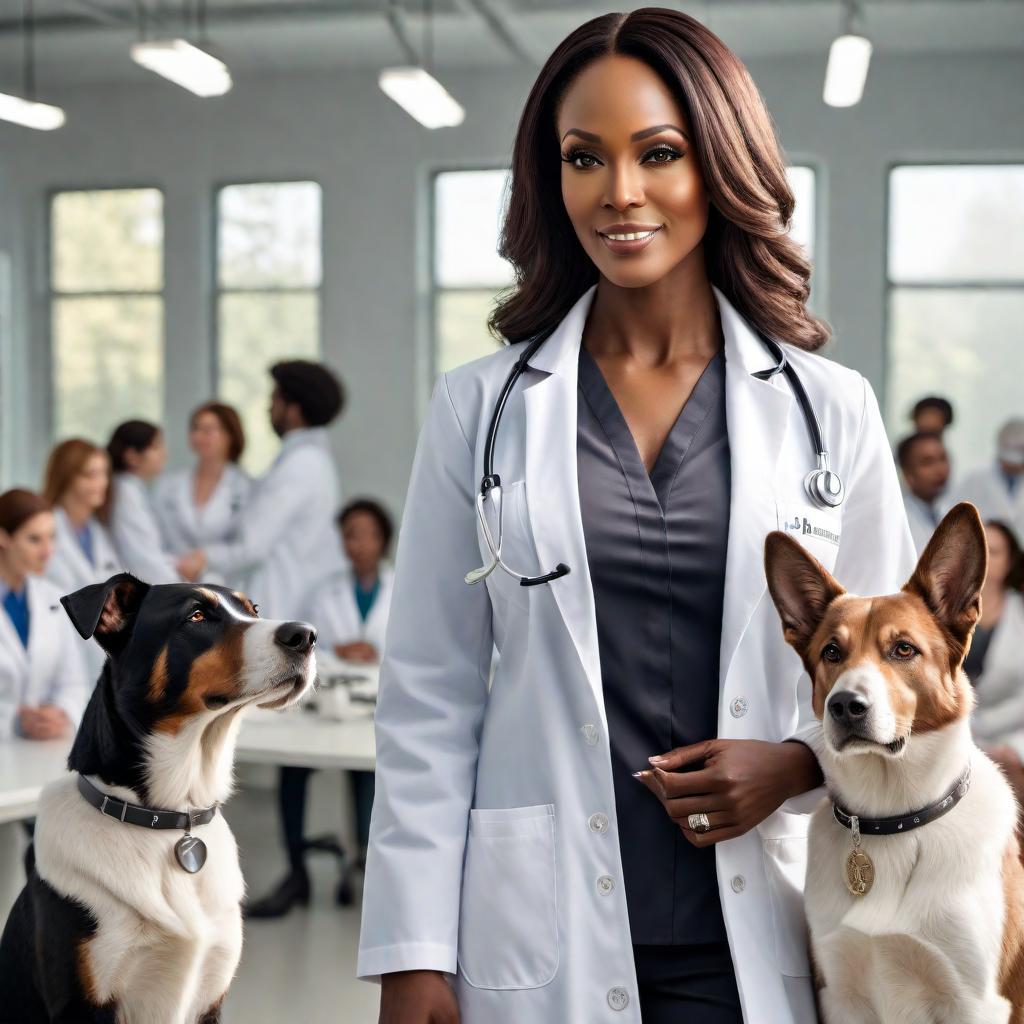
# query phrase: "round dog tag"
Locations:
[[191, 853], [860, 872]]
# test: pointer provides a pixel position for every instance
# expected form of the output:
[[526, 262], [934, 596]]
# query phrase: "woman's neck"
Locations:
[[78, 512], [12, 578], [368, 579], [674, 318], [993, 597], [210, 468]]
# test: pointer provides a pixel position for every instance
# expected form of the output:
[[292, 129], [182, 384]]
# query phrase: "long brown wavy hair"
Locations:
[[748, 252]]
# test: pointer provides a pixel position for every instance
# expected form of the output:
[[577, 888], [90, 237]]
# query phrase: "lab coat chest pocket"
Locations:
[[517, 550], [785, 865], [818, 530], [509, 892]]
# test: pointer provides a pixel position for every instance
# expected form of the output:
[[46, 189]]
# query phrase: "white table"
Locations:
[[25, 767], [305, 740]]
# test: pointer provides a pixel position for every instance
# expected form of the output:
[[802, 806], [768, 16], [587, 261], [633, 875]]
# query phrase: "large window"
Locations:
[[956, 299], [106, 281], [268, 296], [469, 274]]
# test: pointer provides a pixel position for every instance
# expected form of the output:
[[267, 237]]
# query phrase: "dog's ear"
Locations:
[[801, 588], [107, 611], [950, 574]]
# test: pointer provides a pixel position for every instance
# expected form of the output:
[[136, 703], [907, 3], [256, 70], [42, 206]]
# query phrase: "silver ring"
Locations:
[[699, 823]]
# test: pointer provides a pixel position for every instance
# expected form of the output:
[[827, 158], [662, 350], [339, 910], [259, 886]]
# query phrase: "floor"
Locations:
[[299, 969]]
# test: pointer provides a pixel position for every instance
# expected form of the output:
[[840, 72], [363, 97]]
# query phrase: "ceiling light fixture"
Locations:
[[848, 61], [25, 109], [413, 87]]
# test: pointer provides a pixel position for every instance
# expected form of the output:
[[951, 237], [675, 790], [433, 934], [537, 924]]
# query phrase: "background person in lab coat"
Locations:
[[527, 862], [995, 662], [77, 486], [350, 612], [286, 543], [923, 460], [998, 488], [138, 455], [43, 683], [204, 505], [932, 415]]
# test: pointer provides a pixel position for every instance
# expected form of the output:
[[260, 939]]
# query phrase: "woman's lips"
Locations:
[[626, 242]]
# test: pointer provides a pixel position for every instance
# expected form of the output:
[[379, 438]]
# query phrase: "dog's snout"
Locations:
[[296, 636], [847, 706]]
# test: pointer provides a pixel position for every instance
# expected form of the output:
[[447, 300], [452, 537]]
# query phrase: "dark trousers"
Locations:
[[292, 792], [687, 984]]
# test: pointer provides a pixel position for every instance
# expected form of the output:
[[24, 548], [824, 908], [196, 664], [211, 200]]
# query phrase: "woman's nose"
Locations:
[[624, 187]]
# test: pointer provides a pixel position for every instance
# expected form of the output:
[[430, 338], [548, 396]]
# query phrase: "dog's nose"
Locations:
[[847, 706], [296, 636]]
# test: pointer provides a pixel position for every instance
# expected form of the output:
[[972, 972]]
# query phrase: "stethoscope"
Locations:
[[823, 486]]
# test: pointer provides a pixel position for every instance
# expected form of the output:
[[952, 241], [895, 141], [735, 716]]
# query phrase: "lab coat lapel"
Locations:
[[757, 412], [70, 548], [11, 642], [552, 487], [41, 638]]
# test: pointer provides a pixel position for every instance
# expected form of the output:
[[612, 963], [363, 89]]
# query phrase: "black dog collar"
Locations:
[[906, 823], [146, 817]]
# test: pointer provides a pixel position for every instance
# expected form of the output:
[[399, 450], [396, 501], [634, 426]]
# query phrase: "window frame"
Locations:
[[52, 295]]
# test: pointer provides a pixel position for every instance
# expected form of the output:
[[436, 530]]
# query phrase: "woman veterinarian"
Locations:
[[527, 863]]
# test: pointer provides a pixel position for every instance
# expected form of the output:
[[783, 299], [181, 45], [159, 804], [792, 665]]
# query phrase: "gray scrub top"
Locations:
[[656, 547]]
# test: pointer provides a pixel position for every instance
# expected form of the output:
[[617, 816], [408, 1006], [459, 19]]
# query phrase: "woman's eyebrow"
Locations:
[[646, 133]]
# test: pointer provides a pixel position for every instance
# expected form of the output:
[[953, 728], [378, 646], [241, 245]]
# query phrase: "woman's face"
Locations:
[[30, 547], [150, 462], [90, 486], [363, 541], [998, 555], [208, 438], [629, 168]]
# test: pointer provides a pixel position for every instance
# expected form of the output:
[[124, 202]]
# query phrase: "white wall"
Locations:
[[374, 165]]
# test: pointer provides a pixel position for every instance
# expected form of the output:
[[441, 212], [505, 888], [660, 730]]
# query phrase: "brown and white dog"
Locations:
[[111, 927], [926, 925]]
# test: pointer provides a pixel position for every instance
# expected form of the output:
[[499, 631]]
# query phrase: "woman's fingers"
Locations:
[[682, 756]]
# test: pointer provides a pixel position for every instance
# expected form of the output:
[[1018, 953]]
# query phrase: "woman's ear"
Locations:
[[801, 588], [107, 611]]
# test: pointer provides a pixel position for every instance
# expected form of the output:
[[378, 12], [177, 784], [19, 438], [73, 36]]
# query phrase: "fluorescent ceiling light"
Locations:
[[848, 61], [422, 96], [185, 65], [30, 114]]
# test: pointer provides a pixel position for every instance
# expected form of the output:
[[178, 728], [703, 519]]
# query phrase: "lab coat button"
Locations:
[[738, 883], [618, 998], [739, 707], [598, 822], [605, 884], [590, 735]]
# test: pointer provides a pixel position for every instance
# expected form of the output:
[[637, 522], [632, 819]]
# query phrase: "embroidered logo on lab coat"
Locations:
[[802, 526]]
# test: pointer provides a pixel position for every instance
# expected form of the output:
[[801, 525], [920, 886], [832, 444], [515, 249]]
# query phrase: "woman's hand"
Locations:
[[417, 997], [358, 650], [46, 722], [740, 784]]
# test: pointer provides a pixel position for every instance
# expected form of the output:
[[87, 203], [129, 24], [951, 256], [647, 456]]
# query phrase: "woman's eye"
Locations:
[[902, 649], [580, 159], [832, 653], [662, 155], [197, 616]]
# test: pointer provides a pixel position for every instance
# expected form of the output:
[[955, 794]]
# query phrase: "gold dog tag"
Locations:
[[860, 871]]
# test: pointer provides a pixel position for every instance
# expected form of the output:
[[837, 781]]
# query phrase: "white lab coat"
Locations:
[[186, 526], [333, 610], [135, 530], [69, 570], [485, 850], [287, 542], [51, 670], [998, 716], [986, 488], [921, 525]]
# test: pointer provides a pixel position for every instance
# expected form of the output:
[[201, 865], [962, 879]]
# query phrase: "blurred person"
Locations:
[[994, 663], [286, 543], [77, 486], [138, 455], [350, 612], [43, 681], [998, 488], [932, 415], [924, 463], [204, 505]]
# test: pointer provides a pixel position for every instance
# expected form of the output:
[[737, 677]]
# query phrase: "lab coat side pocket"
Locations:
[[508, 930], [785, 865]]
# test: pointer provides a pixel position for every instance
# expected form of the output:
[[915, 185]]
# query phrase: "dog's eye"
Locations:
[[197, 616], [903, 650], [256, 610], [832, 653]]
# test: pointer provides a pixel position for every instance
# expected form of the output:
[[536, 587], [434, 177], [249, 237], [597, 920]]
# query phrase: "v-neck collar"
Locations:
[[670, 458]]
